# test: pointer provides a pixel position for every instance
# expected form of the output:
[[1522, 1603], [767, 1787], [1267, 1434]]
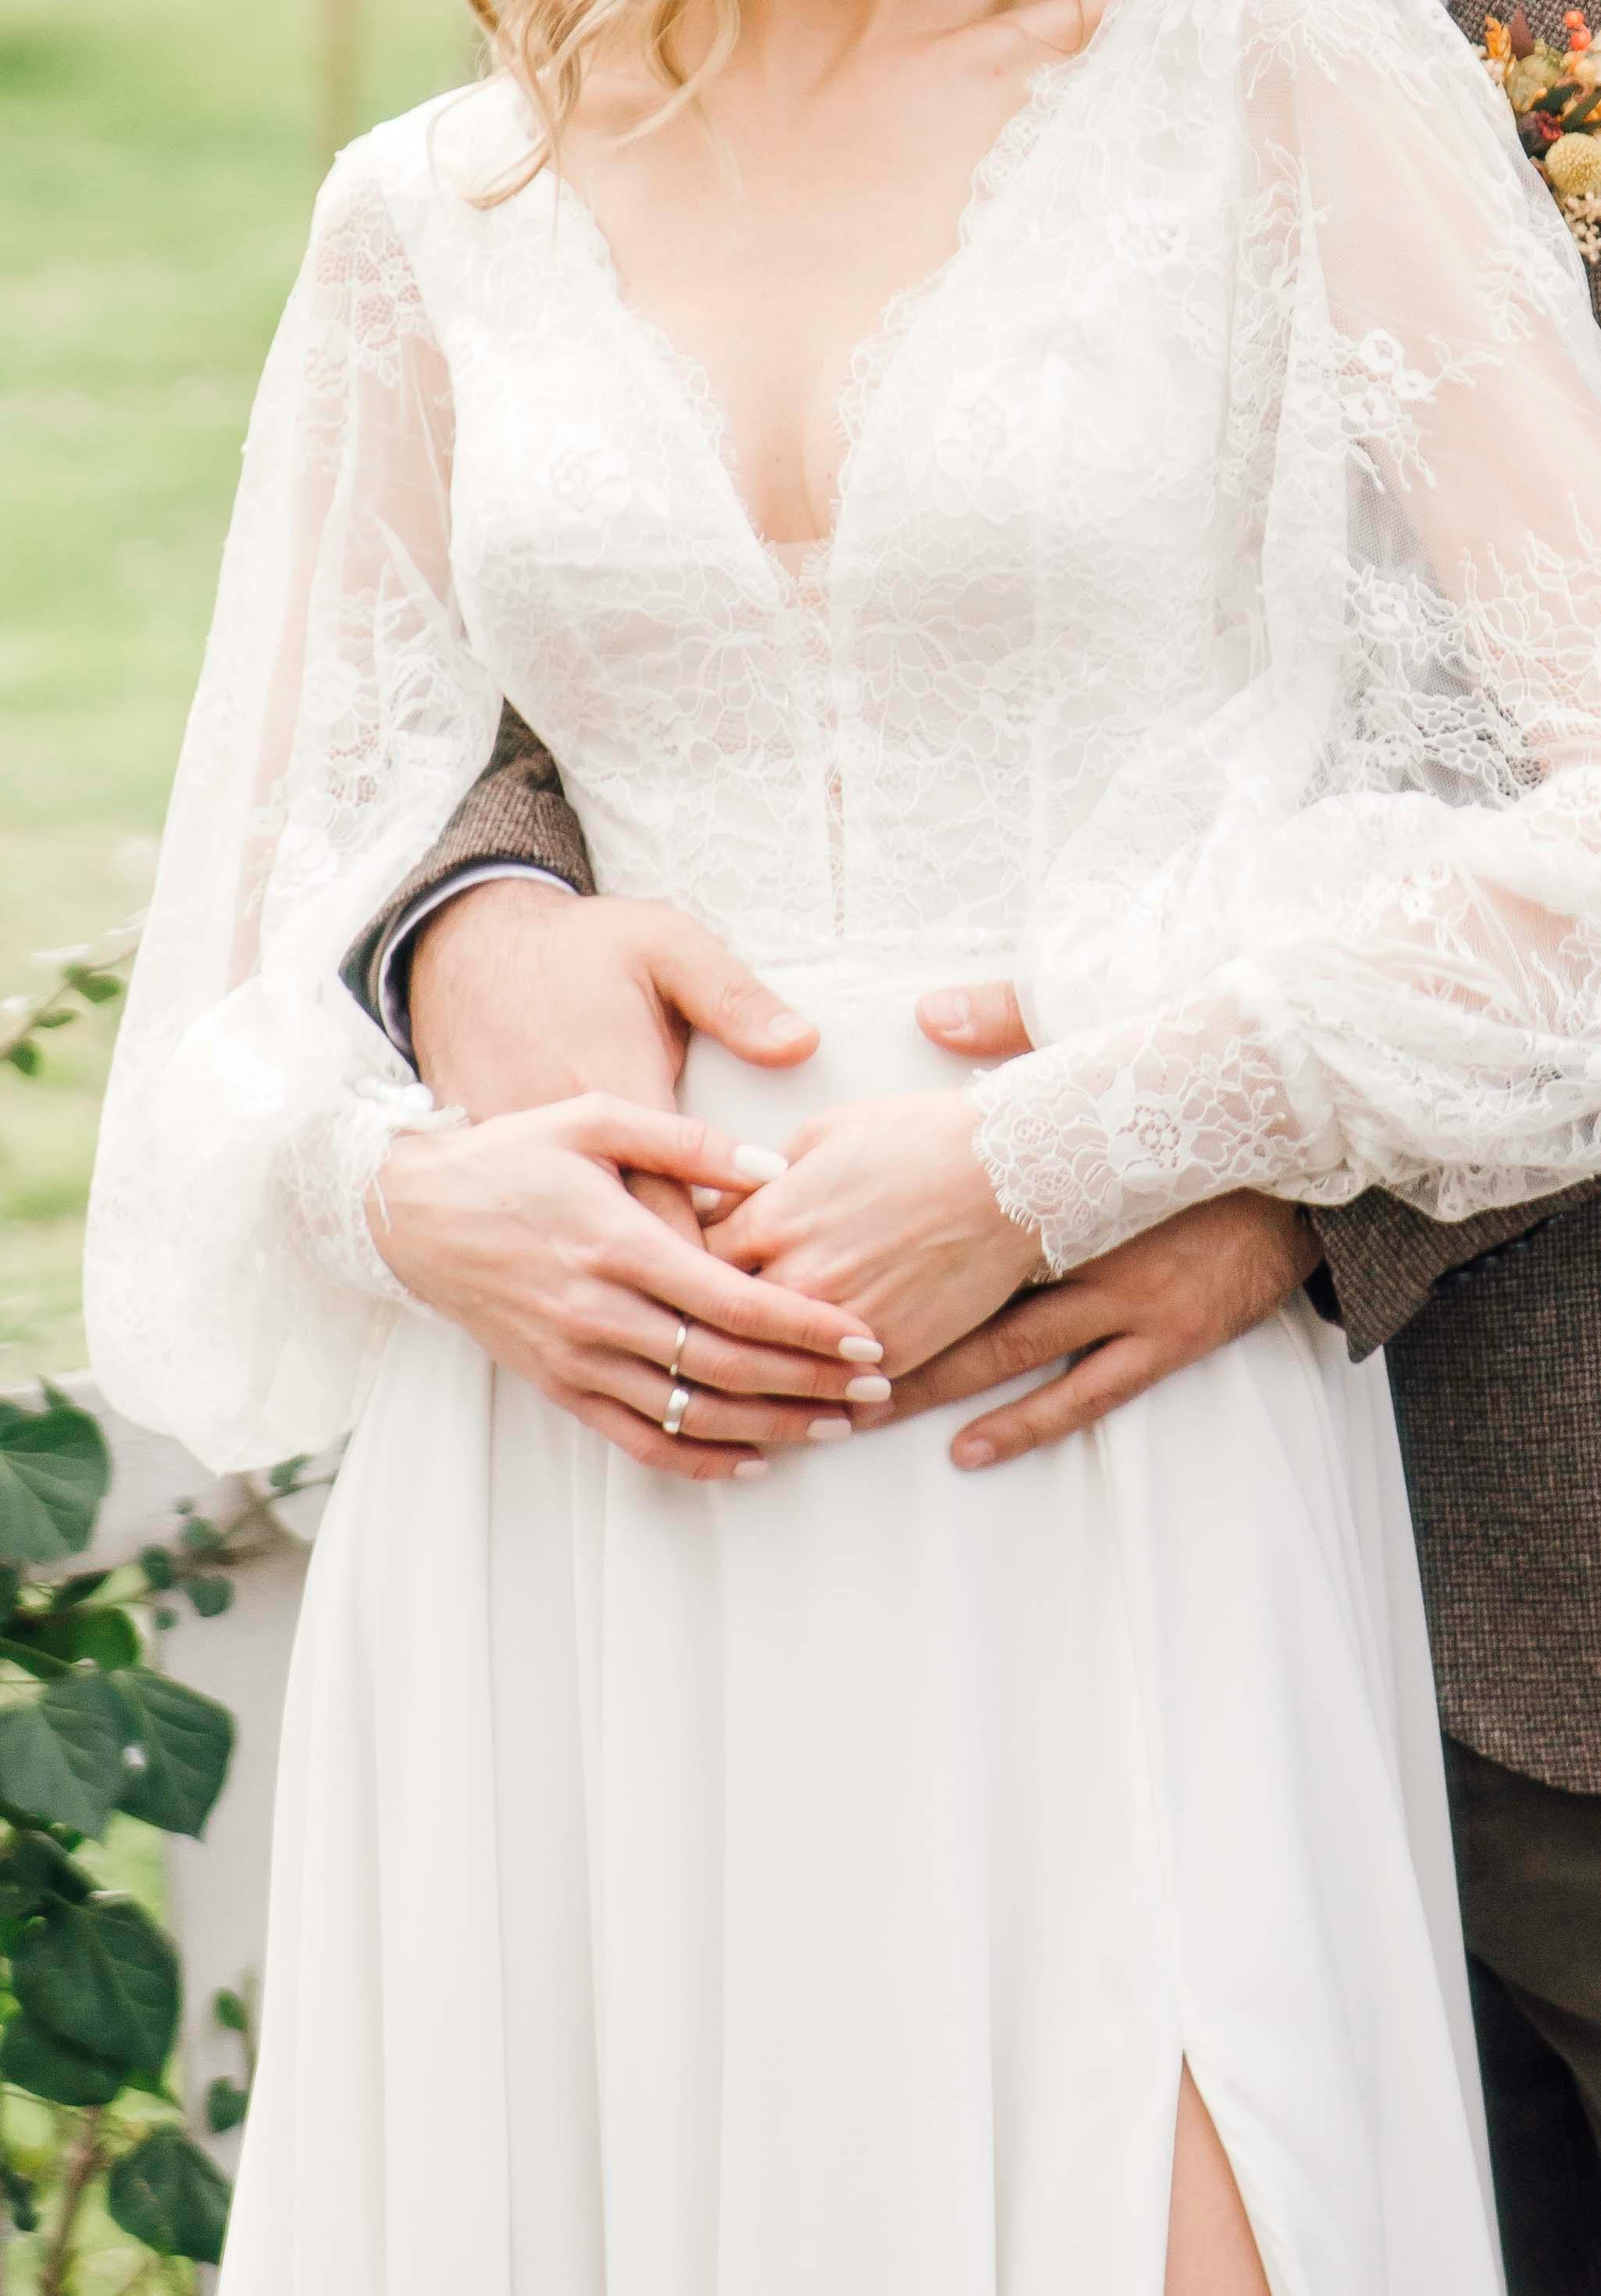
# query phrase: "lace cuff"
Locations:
[[1093, 1140], [337, 1163]]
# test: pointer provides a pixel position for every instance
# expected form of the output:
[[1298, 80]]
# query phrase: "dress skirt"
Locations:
[[814, 1887]]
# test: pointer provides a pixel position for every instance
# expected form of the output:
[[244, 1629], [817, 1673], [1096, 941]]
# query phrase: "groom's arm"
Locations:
[[514, 821]]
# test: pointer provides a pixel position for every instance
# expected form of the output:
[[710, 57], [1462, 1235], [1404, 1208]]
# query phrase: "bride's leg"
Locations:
[[1210, 2248]]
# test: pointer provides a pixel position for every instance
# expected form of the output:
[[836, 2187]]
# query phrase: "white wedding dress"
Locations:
[[813, 1889]]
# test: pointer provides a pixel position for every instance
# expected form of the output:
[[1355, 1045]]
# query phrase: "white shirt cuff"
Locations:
[[393, 1011]]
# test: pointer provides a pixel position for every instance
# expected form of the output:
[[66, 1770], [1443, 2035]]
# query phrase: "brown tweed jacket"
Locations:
[[1493, 1326]]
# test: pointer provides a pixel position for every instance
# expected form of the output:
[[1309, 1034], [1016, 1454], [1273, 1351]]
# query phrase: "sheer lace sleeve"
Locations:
[[1343, 925], [232, 1293]]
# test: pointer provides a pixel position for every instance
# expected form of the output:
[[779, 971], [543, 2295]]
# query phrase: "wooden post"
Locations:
[[341, 72]]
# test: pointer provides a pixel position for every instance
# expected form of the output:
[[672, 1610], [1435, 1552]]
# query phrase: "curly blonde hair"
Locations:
[[549, 46]]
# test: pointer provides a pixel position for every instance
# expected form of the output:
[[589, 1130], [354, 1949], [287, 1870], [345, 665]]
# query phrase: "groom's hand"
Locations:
[[1144, 1311], [522, 994]]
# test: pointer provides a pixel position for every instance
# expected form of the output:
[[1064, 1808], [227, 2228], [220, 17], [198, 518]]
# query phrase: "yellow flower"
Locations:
[[1574, 164], [1528, 79]]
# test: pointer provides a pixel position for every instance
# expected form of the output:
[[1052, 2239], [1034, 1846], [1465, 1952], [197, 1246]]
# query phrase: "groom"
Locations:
[[516, 994]]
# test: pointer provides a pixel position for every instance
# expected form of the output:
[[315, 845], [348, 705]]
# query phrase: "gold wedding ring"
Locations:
[[678, 1345], [678, 1403]]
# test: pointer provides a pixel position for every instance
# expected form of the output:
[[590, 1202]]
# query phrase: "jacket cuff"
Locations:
[[1384, 1260]]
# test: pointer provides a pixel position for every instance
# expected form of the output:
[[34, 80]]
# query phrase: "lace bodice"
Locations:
[[1207, 633]]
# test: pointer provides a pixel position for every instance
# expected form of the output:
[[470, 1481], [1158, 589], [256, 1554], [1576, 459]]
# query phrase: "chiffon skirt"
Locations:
[[813, 1887]]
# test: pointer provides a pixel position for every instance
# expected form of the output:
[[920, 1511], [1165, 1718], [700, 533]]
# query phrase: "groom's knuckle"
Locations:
[[1013, 1351]]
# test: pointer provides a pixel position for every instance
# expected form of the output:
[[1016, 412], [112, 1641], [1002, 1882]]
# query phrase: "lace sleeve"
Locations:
[[1344, 926], [233, 1294]]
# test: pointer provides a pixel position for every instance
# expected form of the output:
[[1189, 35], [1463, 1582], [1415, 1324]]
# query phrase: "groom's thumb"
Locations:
[[982, 1019]]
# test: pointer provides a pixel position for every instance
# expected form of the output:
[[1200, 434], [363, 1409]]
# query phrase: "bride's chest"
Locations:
[[1045, 411]]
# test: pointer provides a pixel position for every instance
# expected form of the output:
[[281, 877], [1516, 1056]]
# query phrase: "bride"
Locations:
[[827, 1875]]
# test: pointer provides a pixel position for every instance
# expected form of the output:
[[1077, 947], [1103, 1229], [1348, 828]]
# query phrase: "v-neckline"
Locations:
[[874, 354]]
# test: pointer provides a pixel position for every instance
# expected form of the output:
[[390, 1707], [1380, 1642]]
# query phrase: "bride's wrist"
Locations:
[[1017, 1249]]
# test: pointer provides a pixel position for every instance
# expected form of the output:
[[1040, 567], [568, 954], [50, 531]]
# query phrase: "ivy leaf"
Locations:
[[54, 1472], [186, 1742], [78, 1588], [33, 1870], [101, 1976], [157, 1566], [227, 2103], [21, 2198], [94, 989], [36, 2060], [229, 2010], [109, 1637], [168, 2193], [25, 1057], [61, 1754], [210, 1594]]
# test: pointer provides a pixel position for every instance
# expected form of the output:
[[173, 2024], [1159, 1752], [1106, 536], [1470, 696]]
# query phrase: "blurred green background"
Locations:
[[157, 161]]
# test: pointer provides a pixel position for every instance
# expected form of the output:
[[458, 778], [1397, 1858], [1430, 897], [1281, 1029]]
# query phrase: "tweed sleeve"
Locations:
[[1386, 1260], [515, 811]]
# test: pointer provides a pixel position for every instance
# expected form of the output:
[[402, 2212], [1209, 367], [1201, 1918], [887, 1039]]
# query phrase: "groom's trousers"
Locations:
[[1529, 1856]]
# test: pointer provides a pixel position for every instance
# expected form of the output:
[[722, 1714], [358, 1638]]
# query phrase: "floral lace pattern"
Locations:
[[1192, 641]]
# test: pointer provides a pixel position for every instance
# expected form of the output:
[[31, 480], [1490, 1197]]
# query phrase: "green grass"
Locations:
[[157, 160]]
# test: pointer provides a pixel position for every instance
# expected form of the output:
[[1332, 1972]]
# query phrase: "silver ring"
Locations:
[[678, 1345], [678, 1403]]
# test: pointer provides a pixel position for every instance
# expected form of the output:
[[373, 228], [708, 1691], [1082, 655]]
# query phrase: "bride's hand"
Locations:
[[885, 1210], [521, 1230]]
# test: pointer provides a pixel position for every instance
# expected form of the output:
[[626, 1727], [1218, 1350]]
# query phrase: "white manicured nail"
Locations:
[[705, 1200], [829, 1431], [855, 1350], [760, 1163], [748, 1469], [872, 1390], [788, 1027]]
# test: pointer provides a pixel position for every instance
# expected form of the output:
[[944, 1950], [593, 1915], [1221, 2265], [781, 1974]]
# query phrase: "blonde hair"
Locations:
[[549, 46]]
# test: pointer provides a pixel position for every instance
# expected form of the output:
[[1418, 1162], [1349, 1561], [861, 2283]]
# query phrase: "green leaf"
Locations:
[[98, 988], [157, 1566], [284, 1476], [168, 2193], [34, 1869], [20, 2198], [199, 1535], [80, 1588], [24, 1056], [36, 2060], [55, 1020], [61, 1754], [186, 1742], [229, 2010], [102, 1977], [54, 1472], [227, 2103], [210, 1594], [107, 1638]]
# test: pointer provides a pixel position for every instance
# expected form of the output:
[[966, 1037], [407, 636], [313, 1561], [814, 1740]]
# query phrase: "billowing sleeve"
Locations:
[[234, 1296], [1344, 927]]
